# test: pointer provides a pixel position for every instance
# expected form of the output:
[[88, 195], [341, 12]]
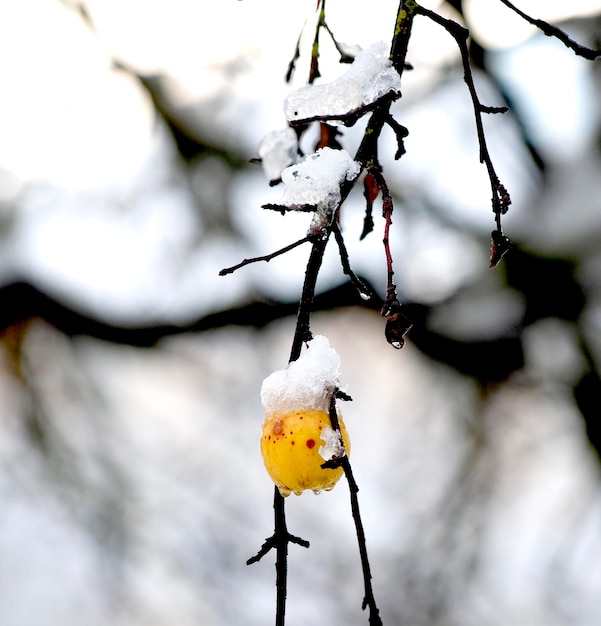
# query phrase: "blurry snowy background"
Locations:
[[131, 485]]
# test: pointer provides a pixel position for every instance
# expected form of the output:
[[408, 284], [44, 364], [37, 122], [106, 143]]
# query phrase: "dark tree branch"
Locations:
[[283, 209], [500, 197], [552, 31], [279, 540], [20, 302], [402, 34], [387, 209], [370, 192], [401, 132], [398, 322], [302, 331], [344, 56], [368, 598], [314, 68], [281, 537], [367, 157], [294, 59], [362, 289], [272, 542], [266, 257], [343, 461], [302, 334]]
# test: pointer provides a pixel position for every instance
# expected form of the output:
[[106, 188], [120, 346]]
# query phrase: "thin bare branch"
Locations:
[[362, 289], [500, 197], [387, 209], [401, 132], [266, 257], [295, 57], [554, 31]]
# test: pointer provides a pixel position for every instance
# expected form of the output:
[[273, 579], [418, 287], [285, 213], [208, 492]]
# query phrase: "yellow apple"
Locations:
[[290, 445]]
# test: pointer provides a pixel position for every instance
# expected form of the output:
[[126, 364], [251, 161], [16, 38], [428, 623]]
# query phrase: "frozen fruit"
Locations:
[[296, 444]]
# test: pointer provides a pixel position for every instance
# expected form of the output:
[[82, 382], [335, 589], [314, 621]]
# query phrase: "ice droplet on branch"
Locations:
[[397, 326]]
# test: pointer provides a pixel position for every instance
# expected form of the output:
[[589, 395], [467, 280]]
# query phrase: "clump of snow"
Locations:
[[316, 180], [306, 383], [277, 151], [348, 51], [332, 448], [370, 77]]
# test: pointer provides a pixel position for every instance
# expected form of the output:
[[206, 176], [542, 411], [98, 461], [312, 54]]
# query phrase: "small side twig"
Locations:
[[345, 57], [553, 31], [279, 540], [295, 57], [401, 132], [266, 257], [363, 290], [370, 192], [387, 209], [500, 197], [314, 68], [272, 542]]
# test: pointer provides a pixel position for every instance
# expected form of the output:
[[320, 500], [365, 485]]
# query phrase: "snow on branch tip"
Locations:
[[370, 78]]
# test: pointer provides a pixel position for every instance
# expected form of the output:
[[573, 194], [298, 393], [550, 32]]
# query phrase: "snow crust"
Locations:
[[370, 77], [277, 151], [306, 383], [316, 180], [332, 448]]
